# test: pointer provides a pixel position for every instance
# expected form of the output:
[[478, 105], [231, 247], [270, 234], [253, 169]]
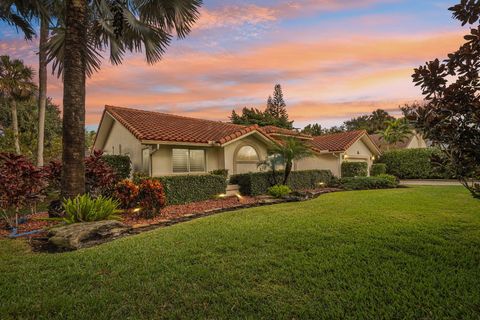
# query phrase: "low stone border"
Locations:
[[42, 244]]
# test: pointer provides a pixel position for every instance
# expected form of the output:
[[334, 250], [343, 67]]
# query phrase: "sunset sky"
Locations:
[[334, 59]]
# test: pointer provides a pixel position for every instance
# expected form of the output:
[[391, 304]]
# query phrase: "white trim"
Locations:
[[246, 135]]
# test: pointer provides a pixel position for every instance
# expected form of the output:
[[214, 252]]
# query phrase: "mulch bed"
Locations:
[[169, 215]]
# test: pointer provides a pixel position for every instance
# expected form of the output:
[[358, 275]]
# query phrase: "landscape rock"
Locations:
[[85, 234]]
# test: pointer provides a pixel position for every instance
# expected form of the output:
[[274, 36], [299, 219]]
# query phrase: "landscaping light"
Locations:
[[239, 196], [136, 210], [222, 195]]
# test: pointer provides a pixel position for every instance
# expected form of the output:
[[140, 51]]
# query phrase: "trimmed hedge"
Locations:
[[120, 164], [378, 168], [354, 169], [257, 183], [383, 181], [413, 164], [190, 188]]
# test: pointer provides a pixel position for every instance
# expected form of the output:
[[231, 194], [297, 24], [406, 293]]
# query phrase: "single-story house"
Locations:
[[412, 141], [166, 144]]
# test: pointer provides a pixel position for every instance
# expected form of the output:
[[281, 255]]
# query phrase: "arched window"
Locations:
[[247, 153]]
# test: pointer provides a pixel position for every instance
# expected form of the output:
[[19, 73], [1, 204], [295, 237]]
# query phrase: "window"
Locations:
[[247, 153], [185, 160]]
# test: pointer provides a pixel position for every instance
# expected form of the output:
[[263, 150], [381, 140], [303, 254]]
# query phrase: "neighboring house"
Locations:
[[413, 141], [165, 144], [333, 149]]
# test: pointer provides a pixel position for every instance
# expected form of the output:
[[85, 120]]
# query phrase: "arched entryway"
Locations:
[[246, 159]]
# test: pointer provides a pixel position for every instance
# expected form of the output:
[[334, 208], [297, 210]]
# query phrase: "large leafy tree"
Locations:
[[277, 109], [275, 114], [289, 150], [28, 129], [450, 117], [373, 122], [16, 85], [396, 131], [313, 129]]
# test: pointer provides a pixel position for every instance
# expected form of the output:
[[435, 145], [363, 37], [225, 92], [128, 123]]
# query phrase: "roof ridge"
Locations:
[[175, 115]]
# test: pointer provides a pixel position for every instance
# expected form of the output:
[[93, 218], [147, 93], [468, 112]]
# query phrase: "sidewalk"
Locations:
[[432, 182]]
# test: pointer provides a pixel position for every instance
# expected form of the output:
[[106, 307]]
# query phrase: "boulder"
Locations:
[[85, 234]]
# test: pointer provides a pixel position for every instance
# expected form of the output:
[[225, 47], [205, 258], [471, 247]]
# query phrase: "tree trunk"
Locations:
[[288, 169], [73, 168], [15, 127], [42, 89]]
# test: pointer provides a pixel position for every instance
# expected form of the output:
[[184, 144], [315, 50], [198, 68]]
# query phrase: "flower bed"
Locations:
[[170, 214]]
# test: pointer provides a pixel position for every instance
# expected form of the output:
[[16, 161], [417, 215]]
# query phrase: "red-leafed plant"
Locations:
[[126, 192], [100, 178], [21, 185], [151, 197]]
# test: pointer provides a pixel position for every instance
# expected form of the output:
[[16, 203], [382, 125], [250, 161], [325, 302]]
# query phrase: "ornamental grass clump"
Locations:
[[86, 209]]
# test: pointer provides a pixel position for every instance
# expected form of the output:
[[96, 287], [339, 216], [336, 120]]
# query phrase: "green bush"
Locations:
[[120, 164], [190, 188], [220, 172], [378, 168], [279, 190], [414, 164], [354, 169], [85, 209], [257, 183], [383, 181]]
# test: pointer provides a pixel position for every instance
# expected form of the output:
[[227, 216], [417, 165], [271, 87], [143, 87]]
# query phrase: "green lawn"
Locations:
[[404, 253]]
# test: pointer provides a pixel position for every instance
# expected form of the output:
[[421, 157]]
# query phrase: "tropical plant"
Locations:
[[450, 117], [290, 149], [151, 197], [376, 121], [21, 185], [279, 191], [126, 192], [84, 208], [396, 131], [15, 85]]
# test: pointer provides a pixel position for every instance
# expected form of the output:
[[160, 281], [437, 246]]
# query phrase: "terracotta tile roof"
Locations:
[[336, 141], [381, 144], [157, 126], [273, 130]]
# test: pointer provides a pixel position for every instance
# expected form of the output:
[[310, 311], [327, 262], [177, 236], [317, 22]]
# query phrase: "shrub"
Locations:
[[100, 178], [191, 188], [257, 183], [378, 168], [126, 192], [279, 190], [21, 185], [120, 164], [138, 176], [220, 172], [414, 164], [151, 197], [383, 181], [85, 209], [354, 169]]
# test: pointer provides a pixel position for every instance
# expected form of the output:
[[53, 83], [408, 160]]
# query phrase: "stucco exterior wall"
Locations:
[[121, 141], [320, 162], [416, 143], [230, 150], [359, 152]]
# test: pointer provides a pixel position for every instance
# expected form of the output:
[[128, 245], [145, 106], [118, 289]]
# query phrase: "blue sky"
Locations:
[[334, 58]]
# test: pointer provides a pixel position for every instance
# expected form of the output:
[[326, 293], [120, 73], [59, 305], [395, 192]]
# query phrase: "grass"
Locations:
[[404, 253]]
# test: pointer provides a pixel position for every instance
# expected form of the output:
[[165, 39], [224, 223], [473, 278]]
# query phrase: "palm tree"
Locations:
[[83, 31], [16, 84], [290, 149], [397, 131]]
